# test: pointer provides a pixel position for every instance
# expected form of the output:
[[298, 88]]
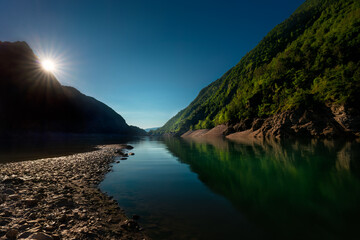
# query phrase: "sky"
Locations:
[[147, 60]]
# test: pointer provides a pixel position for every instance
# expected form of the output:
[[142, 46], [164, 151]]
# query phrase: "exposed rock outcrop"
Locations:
[[326, 122], [214, 132]]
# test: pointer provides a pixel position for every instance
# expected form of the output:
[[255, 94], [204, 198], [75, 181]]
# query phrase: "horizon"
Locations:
[[147, 61]]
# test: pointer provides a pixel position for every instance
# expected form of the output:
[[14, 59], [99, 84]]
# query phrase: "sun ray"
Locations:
[[53, 59]]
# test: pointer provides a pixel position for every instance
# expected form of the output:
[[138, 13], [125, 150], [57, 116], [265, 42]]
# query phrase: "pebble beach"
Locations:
[[59, 198]]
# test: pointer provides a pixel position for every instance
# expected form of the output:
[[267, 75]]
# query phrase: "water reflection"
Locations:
[[31, 147], [292, 190]]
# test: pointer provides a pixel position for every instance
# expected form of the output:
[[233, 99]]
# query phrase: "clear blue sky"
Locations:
[[145, 59]]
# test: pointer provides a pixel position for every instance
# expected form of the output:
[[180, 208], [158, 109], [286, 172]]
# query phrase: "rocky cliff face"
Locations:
[[32, 100], [324, 122], [331, 122]]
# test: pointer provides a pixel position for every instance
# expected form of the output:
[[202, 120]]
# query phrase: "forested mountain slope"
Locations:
[[310, 62]]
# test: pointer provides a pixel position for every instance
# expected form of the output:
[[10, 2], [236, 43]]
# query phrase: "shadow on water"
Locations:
[[31, 147], [291, 190]]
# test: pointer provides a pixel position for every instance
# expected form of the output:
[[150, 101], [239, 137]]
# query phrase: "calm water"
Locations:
[[23, 148], [218, 189]]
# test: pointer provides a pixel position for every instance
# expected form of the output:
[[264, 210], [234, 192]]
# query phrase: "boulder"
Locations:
[[12, 234]]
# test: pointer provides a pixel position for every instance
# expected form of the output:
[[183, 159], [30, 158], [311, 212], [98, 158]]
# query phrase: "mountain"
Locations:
[[302, 79], [33, 101], [151, 129]]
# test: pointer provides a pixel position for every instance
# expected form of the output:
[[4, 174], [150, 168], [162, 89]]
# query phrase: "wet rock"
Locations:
[[131, 153], [124, 158], [115, 219], [130, 225], [135, 217]]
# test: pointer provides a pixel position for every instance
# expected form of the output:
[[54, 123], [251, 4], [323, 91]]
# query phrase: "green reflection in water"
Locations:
[[292, 190]]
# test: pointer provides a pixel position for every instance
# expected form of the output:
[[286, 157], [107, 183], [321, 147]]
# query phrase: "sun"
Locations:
[[48, 65]]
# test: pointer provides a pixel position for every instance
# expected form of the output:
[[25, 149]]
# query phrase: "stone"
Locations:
[[56, 237], [2, 233], [2, 198], [63, 202], [4, 221], [30, 202], [13, 180], [24, 235], [40, 236], [63, 218], [14, 197], [59, 197], [131, 153], [6, 214], [32, 216], [9, 191], [257, 124], [12, 234]]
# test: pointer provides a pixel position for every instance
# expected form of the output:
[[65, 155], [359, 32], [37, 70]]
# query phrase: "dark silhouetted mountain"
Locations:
[[33, 101], [303, 78]]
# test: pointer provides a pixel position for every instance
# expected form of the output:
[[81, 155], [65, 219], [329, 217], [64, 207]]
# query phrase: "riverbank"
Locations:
[[58, 198]]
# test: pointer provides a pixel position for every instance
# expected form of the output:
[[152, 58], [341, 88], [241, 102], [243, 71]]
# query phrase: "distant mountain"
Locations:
[[151, 129], [302, 79], [33, 101]]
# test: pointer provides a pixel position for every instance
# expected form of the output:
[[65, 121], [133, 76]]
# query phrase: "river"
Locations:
[[219, 189]]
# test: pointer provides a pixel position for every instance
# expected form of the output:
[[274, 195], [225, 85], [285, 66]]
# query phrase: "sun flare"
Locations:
[[48, 65]]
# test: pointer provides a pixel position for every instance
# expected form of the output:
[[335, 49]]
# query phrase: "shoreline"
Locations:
[[59, 198]]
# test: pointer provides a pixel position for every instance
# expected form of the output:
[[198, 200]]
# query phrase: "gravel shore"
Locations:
[[58, 198]]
